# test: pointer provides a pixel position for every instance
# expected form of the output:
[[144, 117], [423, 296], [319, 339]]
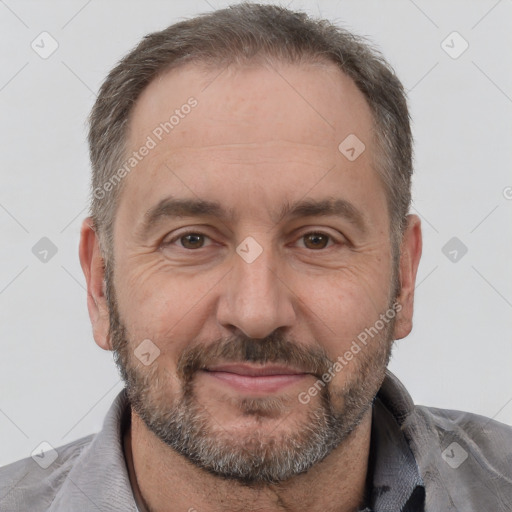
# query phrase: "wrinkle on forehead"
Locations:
[[257, 153]]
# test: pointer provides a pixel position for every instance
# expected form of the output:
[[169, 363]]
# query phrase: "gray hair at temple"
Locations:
[[236, 35]]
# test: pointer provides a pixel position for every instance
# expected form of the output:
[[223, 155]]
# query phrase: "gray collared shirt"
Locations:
[[447, 460]]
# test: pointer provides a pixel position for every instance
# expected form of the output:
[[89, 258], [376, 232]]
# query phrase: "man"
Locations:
[[250, 260]]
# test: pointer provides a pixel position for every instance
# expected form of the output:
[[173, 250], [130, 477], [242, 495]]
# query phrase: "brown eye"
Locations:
[[316, 240], [192, 240]]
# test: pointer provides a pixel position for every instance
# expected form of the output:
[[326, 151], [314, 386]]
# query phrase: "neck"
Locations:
[[164, 481]]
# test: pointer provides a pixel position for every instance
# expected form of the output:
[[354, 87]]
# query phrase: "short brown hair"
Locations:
[[239, 34]]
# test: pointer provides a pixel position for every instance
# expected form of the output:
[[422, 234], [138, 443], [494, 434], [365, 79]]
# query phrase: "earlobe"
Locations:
[[410, 255], [92, 264]]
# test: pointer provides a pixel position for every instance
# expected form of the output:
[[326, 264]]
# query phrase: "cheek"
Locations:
[[344, 306], [352, 295], [168, 309]]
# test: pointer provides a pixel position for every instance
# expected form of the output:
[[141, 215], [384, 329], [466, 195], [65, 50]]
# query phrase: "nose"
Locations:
[[255, 297]]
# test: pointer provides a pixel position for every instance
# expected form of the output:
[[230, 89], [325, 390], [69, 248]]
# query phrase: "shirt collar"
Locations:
[[99, 479], [393, 475]]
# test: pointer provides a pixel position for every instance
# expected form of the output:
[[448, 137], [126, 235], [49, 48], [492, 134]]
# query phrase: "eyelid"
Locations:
[[299, 235], [179, 235], [336, 240]]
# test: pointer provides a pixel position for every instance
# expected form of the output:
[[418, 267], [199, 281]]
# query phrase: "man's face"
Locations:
[[256, 283]]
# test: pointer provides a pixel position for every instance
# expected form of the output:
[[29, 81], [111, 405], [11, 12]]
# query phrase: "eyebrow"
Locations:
[[335, 207], [171, 207]]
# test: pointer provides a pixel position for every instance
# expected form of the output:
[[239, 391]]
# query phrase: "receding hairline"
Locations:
[[209, 70]]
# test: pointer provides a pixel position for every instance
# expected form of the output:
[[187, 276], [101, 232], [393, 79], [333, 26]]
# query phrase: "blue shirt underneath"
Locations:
[[393, 481]]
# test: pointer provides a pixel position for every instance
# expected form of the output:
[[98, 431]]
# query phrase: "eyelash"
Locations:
[[181, 235]]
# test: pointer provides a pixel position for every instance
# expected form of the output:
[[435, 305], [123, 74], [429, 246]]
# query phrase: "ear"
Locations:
[[93, 268], [410, 254]]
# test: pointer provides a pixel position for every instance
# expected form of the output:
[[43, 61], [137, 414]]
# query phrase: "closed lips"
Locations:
[[254, 371]]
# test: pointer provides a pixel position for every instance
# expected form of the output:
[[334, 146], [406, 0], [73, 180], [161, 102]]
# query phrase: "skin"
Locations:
[[259, 137]]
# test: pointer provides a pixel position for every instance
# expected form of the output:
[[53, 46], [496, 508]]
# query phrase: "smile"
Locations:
[[253, 379]]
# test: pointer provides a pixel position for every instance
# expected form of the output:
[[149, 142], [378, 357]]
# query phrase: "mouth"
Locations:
[[255, 379]]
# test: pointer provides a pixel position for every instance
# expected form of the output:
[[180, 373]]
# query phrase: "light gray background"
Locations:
[[56, 384]]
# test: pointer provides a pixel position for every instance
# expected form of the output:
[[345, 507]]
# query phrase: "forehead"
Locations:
[[257, 100], [259, 132]]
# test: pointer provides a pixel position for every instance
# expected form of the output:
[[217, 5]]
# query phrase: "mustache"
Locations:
[[242, 349]]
